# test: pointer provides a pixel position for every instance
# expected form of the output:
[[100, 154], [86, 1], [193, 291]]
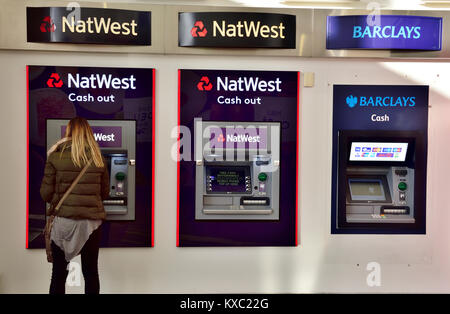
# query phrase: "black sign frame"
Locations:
[[192, 25], [45, 25]]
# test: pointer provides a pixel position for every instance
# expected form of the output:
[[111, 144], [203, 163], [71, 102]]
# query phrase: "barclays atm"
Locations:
[[117, 142], [379, 159], [377, 177], [237, 170]]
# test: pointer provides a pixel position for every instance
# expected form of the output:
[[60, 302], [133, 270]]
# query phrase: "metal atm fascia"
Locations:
[[120, 159], [392, 183], [259, 167]]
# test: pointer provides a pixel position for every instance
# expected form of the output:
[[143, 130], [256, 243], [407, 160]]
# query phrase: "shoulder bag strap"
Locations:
[[74, 183]]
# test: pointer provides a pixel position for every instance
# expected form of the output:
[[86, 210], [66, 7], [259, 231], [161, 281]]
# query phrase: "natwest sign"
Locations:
[[233, 137], [105, 136], [404, 32], [90, 26], [101, 81], [240, 84], [236, 30], [85, 85]]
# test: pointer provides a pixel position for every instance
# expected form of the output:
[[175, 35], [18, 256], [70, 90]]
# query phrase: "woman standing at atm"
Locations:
[[76, 226]]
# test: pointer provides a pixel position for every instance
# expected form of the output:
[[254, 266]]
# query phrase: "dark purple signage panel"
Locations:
[[239, 96], [397, 109], [95, 93], [105, 136], [384, 32]]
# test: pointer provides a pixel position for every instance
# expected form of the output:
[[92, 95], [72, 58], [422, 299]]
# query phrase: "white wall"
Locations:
[[322, 262]]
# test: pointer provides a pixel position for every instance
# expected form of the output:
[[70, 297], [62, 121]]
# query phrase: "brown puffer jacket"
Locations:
[[85, 200]]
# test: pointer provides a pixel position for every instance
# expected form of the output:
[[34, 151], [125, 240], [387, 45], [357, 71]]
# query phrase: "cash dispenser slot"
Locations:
[[258, 201], [395, 210]]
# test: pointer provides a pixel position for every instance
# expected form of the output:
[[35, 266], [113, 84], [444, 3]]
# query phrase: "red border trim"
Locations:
[[28, 159], [297, 159], [178, 160], [153, 160]]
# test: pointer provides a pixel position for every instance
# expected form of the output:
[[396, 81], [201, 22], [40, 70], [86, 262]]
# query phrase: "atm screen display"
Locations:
[[371, 151], [366, 190], [228, 179]]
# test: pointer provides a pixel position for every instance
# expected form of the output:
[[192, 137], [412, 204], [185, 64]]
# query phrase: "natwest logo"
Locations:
[[236, 30], [246, 84], [243, 138], [221, 138], [47, 25], [248, 29], [100, 137], [88, 26], [199, 29], [204, 84], [98, 26], [54, 81], [101, 81], [241, 29], [238, 136]]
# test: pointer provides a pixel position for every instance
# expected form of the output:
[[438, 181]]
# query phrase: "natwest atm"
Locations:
[[117, 142], [119, 105], [237, 173], [237, 169]]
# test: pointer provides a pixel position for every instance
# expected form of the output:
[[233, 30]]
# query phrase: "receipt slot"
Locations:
[[117, 142], [237, 170], [378, 183]]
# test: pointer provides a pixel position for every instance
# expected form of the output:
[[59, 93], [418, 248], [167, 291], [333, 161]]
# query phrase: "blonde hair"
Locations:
[[83, 141]]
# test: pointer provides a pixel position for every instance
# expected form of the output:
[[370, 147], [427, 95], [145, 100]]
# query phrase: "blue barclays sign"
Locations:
[[364, 106], [380, 101], [403, 32]]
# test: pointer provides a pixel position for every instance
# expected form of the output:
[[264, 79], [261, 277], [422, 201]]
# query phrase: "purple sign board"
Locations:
[[239, 137], [238, 97], [106, 136], [402, 32], [94, 93]]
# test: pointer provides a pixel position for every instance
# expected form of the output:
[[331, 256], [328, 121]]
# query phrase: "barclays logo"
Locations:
[[351, 101], [380, 101]]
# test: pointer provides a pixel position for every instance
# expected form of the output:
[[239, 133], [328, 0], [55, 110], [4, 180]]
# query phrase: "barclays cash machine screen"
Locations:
[[372, 151]]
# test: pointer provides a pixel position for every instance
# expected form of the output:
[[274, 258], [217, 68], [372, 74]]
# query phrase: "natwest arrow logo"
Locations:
[[54, 81], [221, 138], [47, 25], [204, 84], [199, 30]]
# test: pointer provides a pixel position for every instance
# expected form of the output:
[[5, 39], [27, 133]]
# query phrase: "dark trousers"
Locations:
[[89, 266]]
